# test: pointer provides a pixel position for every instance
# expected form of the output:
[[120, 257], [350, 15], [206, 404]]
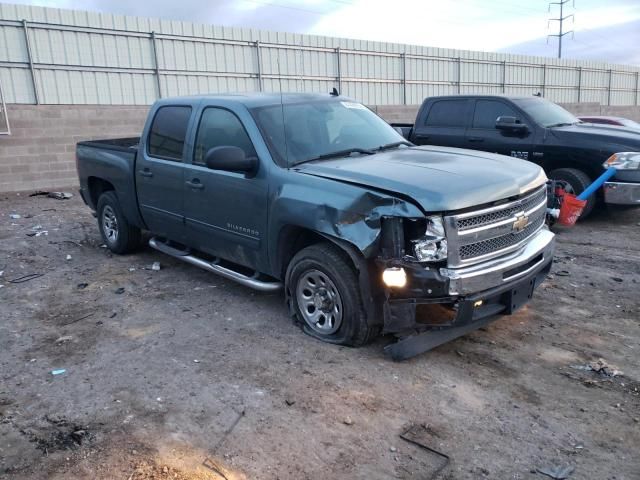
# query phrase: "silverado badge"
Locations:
[[521, 222]]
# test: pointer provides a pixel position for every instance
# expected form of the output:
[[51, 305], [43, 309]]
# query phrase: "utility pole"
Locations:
[[561, 33]]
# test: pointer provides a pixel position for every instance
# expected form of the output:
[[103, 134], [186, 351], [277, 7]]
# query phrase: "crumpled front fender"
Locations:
[[343, 211]]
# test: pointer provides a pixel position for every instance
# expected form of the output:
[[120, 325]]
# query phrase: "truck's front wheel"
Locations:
[[575, 181], [117, 233], [324, 296]]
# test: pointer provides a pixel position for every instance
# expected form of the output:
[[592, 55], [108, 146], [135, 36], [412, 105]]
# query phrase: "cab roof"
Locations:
[[259, 99]]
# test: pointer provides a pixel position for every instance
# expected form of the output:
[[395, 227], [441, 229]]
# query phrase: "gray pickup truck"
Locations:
[[366, 232]]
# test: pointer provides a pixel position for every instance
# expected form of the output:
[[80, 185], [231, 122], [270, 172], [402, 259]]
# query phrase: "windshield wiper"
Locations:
[[340, 153], [393, 145], [561, 124]]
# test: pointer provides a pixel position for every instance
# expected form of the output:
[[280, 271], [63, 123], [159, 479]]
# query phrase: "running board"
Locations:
[[187, 256]]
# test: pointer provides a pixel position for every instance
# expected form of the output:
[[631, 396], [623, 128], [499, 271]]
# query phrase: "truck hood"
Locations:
[[601, 133], [437, 178]]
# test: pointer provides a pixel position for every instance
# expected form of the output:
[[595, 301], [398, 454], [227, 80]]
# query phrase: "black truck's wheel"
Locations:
[[117, 233], [324, 296], [575, 181]]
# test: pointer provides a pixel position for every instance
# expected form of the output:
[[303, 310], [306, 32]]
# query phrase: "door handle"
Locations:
[[195, 183], [476, 139], [145, 172]]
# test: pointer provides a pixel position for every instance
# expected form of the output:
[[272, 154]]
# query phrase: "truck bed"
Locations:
[[127, 143], [113, 162]]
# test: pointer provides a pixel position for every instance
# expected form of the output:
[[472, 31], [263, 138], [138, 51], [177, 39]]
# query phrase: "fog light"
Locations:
[[394, 277]]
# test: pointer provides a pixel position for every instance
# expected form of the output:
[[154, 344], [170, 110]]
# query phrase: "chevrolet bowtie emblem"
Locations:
[[521, 222]]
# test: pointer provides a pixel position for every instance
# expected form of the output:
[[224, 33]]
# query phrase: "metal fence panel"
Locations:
[[50, 55]]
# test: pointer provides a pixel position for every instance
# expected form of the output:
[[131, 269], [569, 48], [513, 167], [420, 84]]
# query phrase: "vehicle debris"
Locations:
[[156, 266], [82, 285], [77, 319], [68, 257], [64, 339], [58, 372], [557, 473], [601, 367], [60, 195], [26, 278], [119, 290], [38, 233]]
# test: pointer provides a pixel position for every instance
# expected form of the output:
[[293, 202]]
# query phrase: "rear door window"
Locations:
[[488, 111], [168, 131], [448, 113]]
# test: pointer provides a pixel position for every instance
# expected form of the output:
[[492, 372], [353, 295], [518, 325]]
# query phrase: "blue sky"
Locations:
[[607, 30]]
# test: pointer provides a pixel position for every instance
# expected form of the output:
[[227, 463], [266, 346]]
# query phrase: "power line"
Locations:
[[560, 21]]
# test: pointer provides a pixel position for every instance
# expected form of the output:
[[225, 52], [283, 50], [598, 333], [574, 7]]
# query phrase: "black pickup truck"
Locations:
[[315, 193], [535, 129]]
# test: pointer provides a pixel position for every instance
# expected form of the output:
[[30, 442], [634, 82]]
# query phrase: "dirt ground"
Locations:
[[179, 374]]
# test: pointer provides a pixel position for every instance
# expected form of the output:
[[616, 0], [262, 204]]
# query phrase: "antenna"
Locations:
[[560, 21]]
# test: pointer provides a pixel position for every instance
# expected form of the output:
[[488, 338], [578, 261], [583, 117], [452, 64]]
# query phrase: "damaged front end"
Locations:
[[443, 276]]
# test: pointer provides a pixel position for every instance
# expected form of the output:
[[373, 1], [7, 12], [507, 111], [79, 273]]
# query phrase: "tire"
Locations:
[[117, 233], [577, 181], [321, 282]]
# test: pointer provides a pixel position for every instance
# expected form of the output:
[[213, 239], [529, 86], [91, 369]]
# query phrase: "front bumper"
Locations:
[[468, 280], [622, 193], [466, 298]]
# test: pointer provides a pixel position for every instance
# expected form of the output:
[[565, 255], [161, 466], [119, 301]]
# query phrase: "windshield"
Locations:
[[546, 113], [321, 129]]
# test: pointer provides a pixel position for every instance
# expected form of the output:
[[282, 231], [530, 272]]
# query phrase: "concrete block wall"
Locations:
[[40, 152]]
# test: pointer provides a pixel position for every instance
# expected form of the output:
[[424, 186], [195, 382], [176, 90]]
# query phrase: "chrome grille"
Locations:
[[484, 247], [490, 232], [487, 218]]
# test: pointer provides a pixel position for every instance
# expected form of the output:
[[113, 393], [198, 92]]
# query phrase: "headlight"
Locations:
[[623, 161], [433, 246]]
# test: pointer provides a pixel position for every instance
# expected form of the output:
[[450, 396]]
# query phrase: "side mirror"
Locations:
[[510, 124], [231, 159], [403, 130]]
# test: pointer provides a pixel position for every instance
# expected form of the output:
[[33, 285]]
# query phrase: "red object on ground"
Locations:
[[570, 210]]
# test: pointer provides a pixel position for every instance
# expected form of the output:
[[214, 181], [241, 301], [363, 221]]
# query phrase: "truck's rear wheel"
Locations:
[[575, 181], [324, 296], [117, 233]]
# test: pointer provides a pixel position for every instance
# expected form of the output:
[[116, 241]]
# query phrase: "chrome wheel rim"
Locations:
[[109, 224], [319, 302]]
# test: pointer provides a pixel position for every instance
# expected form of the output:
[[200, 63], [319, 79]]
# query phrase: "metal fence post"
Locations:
[[155, 63], [259, 65], [403, 57], [339, 70], [635, 98], [504, 75], [579, 83], [34, 81], [544, 79], [3, 111], [609, 88], [459, 81]]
